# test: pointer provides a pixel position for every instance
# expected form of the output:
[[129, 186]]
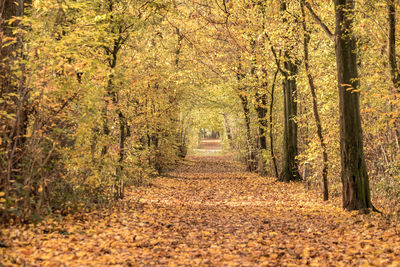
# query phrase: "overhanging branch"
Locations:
[[319, 21]]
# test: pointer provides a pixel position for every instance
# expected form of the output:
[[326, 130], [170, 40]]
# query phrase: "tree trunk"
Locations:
[[261, 109], [356, 191], [124, 133], [228, 130], [290, 170], [315, 108], [112, 98], [250, 153], [250, 157], [290, 151], [13, 90], [394, 70], [271, 126]]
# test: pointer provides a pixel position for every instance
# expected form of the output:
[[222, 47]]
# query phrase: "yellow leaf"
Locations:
[[206, 233], [252, 244], [153, 242]]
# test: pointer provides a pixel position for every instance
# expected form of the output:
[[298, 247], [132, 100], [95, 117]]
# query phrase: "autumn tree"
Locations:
[[96, 95], [394, 68], [289, 71], [14, 93], [315, 104], [356, 191]]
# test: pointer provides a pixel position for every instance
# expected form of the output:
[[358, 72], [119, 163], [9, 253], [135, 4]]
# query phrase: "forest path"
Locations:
[[210, 212]]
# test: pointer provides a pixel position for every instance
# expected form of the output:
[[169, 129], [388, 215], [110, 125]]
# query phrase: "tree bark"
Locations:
[[250, 157], [112, 98], [356, 191], [271, 126], [261, 109], [290, 170], [394, 70], [315, 108], [228, 130]]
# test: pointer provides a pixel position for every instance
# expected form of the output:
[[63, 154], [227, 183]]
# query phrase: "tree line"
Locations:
[[98, 95]]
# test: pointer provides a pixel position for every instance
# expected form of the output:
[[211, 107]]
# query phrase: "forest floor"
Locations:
[[209, 212]]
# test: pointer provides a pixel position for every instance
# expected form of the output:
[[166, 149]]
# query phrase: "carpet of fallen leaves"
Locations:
[[209, 212]]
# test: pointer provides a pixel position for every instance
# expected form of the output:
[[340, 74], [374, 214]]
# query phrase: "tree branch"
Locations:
[[277, 60], [319, 21]]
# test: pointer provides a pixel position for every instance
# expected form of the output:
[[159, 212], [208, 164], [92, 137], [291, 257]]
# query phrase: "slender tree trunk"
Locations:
[[356, 191], [270, 122], [250, 158], [228, 130], [261, 114], [113, 98], [182, 146], [315, 108], [394, 71], [271, 126], [261, 109], [124, 133]]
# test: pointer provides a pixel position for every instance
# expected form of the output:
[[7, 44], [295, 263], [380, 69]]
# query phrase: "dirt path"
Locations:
[[209, 212], [210, 144]]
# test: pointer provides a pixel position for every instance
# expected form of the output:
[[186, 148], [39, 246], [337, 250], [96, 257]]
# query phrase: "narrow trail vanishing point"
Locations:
[[209, 212]]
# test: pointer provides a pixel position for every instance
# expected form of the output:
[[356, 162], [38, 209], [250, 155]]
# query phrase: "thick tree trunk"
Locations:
[[356, 191], [290, 170], [394, 70], [315, 108], [290, 151]]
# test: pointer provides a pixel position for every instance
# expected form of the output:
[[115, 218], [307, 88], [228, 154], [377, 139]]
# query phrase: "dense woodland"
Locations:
[[100, 95]]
